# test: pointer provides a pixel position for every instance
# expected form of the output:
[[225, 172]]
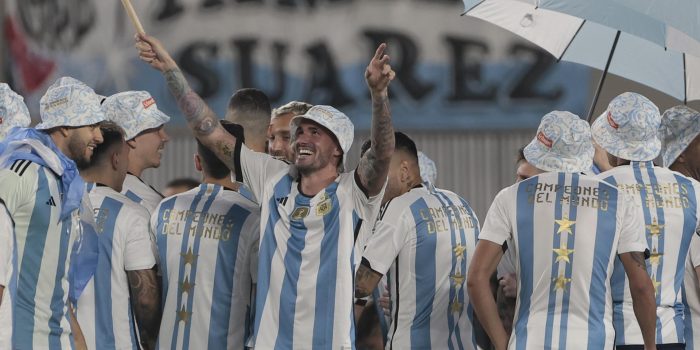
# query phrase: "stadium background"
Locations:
[[469, 93]]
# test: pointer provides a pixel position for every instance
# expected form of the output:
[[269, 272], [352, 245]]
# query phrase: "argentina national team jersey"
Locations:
[[666, 202], [426, 238], [43, 245], [566, 231], [124, 244], [305, 275], [207, 241], [691, 296], [7, 255], [141, 192]]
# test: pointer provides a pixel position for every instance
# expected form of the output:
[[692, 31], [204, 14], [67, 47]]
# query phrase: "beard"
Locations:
[[78, 149]]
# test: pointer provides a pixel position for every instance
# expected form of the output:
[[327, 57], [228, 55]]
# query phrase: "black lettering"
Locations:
[[193, 59], [527, 86], [169, 9], [245, 49], [324, 84], [405, 63], [467, 84]]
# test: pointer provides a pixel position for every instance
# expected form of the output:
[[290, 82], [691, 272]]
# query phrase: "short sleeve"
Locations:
[[139, 248], [630, 222], [367, 206], [16, 189], [388, 239], [497, 227], [6, 246], [254, 168], [253, 232]]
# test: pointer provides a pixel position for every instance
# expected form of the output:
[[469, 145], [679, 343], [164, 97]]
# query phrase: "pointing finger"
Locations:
[[380, 51]]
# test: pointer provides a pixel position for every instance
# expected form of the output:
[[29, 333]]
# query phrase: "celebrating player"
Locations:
[[566, 229], [310, 210], [667, 204], [124, 288]]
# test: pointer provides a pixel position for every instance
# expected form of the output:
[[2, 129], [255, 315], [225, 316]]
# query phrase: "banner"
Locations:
[[452, 72]]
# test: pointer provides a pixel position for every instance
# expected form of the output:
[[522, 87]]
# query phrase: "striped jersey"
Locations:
[[207, 240], [427, 238], [691, 296], [141, 192], [566, 230], [666, 202], [7, 256], [124, 244], [305, 276], [43, 245]]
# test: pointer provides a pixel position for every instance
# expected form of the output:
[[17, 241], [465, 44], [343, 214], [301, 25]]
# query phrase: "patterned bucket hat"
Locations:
[[332, 119], [563, 144], [13, 111], [134, 111], [680, 125], [69, 102]]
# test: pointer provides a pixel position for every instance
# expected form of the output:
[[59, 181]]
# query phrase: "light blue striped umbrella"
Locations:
[[618, 40]]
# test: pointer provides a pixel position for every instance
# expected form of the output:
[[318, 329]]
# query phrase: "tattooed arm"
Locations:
[[374, 166], [200, 118], [366, 280], [643, 299], [75, 329], [145, 301]]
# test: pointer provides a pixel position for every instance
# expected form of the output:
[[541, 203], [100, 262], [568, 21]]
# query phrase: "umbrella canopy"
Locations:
[[609, 49], [682, 14]]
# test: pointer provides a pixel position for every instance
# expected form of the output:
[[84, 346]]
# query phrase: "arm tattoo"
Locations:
[[199, 116], [145, 300], [374, 165], [365, 281]]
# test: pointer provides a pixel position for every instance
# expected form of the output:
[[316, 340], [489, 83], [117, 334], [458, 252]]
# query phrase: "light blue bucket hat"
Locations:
[[134, 111], [562, 144], [428, 171], [13, 111], [69, 102], [680, 125], [628, 129]]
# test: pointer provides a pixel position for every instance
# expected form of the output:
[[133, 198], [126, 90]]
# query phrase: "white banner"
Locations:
[[452, 72]]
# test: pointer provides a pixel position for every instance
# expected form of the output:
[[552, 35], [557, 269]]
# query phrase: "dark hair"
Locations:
[[250, 100], [211, 164], [112, 134], [521, 155], [401, 143], [183, 182]]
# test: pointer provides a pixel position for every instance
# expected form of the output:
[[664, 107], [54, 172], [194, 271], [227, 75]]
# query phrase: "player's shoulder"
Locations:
[[21, 169], [129, 208], [236, 198]]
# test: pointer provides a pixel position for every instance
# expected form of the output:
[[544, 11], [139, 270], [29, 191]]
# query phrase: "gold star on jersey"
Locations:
[[655, 229], [565, 225], [563, 254]]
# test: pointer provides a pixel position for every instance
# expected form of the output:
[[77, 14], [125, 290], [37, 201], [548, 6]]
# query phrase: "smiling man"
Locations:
[[42, 191], [311, 210], [137, 113]]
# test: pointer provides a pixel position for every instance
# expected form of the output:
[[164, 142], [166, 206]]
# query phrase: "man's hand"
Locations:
[[379, 73], [509, 285], [151, 51]]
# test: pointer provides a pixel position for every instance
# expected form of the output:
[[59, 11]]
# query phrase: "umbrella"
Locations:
[[683, 14], [636, 57]]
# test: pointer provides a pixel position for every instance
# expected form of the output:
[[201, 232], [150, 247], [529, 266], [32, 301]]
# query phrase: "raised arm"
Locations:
[[374, 165], [145, 300], [643, 300], [200, 118]]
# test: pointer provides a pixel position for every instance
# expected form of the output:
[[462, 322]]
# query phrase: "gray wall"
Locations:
[[475, 165]]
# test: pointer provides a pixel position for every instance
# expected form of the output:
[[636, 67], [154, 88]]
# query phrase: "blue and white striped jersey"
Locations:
[[306, 268], [691, 296], [141, 192], [207, 241], [427, 238], [566, 231], [32, 197], [7, 255], [104, 308], [666, 202]]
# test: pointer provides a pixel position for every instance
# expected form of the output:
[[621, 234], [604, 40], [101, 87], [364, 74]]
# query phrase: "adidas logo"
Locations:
[[282, 200], [51, 202]]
